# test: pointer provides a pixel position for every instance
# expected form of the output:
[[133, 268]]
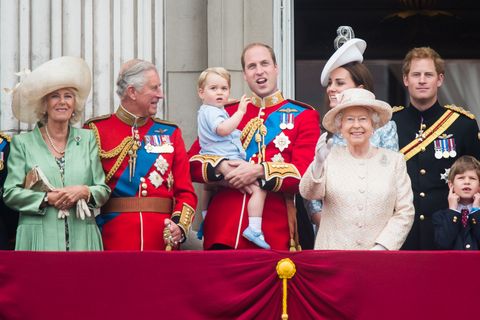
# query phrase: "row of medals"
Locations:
[[444, 148]]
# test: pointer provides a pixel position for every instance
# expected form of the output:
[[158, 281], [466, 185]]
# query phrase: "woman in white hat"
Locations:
[[345, 70], [366, 192], [55, 212]]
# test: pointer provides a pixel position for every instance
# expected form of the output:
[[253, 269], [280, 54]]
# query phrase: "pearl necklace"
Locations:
[[52, 144]]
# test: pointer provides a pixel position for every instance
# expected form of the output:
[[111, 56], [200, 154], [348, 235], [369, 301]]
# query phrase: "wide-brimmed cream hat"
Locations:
[[357, 97], [58, 73], [350, 51]]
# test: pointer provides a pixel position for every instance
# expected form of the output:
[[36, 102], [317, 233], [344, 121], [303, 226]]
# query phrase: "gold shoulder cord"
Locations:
[[250, 130], [121, 151]]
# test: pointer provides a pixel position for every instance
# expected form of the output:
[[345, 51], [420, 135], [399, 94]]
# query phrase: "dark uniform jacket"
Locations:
[[450, 233], [428, 172], [8, 217]]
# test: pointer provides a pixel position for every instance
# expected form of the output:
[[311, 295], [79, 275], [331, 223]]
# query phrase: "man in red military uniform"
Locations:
[[146, 165], [279, 136]]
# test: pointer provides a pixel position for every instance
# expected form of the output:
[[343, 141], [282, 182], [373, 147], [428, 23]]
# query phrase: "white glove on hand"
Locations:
[[62, 214], [378, 247], [82, 209], [322, 150]]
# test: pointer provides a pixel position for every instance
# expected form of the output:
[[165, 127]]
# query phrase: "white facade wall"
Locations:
[[103, 32], [181, 37]]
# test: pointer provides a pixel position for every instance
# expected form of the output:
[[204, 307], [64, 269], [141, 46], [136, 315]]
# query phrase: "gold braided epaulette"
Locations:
[[460, 110], [397, 108], [94, 119], [280, 170], [158, 120], [301, 104], [5, 136], [121, 151], [213, 160]]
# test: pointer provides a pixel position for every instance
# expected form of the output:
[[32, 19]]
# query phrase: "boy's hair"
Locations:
[[423, 53], [222, 72], [463, 164]]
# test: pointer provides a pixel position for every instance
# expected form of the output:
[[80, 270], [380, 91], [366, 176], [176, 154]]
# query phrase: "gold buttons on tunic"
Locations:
[[423, 149], [422, 217], [144, 185], [144, 193], [422, 194], [467, 246], [423, 171]]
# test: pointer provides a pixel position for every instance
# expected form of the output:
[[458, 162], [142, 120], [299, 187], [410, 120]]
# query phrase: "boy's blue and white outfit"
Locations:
[[229, 146]]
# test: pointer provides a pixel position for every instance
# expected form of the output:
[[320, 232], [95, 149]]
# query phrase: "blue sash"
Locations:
[[145, 161], [273, 127], [3, 144]]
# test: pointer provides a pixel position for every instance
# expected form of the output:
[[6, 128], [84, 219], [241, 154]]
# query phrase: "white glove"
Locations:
[[82, 209], [322, 150], [62, 214], [378, 247]]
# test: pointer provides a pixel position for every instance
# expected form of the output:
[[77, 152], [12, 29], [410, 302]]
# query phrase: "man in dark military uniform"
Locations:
[[8, 217], [432, 137]]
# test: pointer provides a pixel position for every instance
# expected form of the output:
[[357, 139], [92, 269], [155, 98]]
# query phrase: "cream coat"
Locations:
[[365, 201]]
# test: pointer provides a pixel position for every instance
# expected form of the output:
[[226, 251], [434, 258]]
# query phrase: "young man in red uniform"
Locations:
[[279, 136], [146, 166]]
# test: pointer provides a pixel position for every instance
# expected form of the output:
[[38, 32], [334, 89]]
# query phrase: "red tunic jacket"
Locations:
[[162, 173], [292, 130]]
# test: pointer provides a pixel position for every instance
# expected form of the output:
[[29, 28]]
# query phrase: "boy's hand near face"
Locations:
[[476, 200], [453, 198], [244, 101]]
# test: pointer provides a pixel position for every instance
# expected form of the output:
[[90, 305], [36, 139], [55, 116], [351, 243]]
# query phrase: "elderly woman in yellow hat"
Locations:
[[55, 178], [366, 192]]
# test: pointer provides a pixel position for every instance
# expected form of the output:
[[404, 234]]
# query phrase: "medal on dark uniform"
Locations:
[[445, 153], [438, 149], [2, 164], [451, 145]]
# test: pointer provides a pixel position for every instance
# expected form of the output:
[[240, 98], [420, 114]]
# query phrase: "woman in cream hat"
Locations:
[[345, 70], [366, 192], [54, 172]]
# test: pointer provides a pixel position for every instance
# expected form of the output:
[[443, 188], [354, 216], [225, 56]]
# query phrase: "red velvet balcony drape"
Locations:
[[238, 285]]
